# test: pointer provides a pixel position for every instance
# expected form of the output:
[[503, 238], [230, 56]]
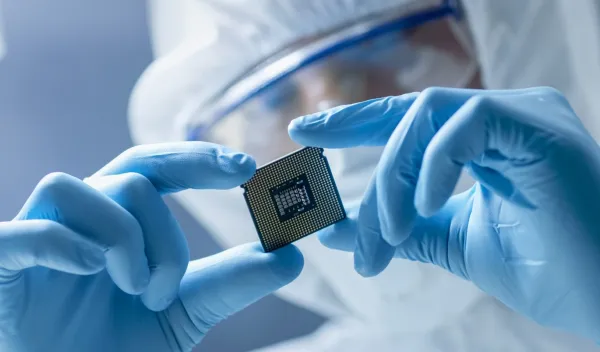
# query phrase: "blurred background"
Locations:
[[64, 88]]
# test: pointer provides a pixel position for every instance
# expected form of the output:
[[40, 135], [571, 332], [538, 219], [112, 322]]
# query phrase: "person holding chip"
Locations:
[[100, 264], [236, 73]]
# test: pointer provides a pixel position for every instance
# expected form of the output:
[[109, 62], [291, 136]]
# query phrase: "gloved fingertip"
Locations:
[[431, 197], [165, 302], [305, 122], [394, 238], [371, 262], [236, 163], [364, 269], [340, 236], [369, 266], [93, 260], [286, 263], [139, 283], [160, 304], [297, 133], [421, 201], [424, 209], [295, 124], [312, 130], [360, 268], [139, 287], [329, 238]]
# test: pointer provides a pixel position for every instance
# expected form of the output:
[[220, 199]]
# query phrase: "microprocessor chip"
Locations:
[[293, 197]]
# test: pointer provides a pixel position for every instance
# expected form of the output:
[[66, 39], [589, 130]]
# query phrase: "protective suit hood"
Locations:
[[541, 43]]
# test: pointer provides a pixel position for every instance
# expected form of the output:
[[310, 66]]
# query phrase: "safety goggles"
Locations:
[[400, 51]]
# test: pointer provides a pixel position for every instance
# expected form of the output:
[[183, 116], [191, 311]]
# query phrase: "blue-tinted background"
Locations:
[[64, 87]]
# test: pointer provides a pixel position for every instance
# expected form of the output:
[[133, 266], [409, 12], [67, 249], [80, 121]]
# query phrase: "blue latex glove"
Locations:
[[527, 233], [100, 264]]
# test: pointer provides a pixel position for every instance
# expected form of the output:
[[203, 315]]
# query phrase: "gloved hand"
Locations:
[[102, 265], [527, 233]]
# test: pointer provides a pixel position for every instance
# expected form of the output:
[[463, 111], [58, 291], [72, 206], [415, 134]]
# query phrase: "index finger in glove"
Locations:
[[173, 167]]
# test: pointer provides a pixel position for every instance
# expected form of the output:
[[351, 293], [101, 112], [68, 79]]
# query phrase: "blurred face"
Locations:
[[392, 64], [398, 63]]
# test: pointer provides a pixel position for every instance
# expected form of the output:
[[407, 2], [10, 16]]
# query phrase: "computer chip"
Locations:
[[293, 197]]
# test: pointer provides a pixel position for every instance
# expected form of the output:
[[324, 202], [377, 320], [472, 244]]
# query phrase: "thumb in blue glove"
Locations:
[[526, 233]]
